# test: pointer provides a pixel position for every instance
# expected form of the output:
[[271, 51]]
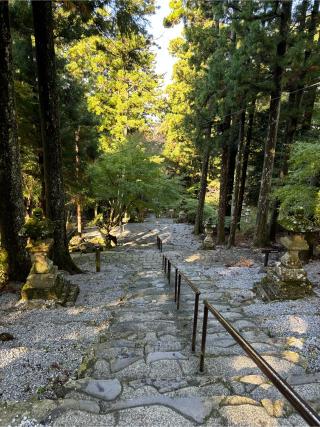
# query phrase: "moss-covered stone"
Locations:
[[270, 288], [4, 267], [49, 287]]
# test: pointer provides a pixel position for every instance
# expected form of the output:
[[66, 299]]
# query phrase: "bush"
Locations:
[[131, 181], [190, 205], [302, 185]]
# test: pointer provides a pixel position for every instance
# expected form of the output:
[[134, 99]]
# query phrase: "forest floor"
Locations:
[[121, 356]]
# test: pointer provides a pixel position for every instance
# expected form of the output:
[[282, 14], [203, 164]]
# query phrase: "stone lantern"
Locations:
[[208, 242], [182, 217], [43, 281], [288, 279]]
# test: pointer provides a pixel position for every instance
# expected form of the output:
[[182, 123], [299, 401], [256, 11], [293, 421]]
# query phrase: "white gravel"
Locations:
[[50, 340]]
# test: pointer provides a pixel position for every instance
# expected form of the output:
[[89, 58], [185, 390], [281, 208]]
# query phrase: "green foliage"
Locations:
[[4, 267], [302, 185], [37, 227], [190, 206], [126, 98], [130, 180], [296, 221]]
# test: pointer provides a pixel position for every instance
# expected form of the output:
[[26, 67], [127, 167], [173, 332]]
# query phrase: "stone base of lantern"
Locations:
[[44, 280], [283, 283], [288, 279], [49, 286], [208, 243]]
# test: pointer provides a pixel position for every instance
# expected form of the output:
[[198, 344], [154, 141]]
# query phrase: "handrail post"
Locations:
[[195, 322], [204, 337], [178, 292], [162, 262], [169, 271], [98, 260], [175, 285], [165, 264]]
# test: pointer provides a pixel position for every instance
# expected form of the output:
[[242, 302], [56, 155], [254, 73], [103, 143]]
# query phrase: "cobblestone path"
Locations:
[[143, 373]]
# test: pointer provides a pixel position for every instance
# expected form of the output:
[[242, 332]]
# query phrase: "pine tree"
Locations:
[[48, 97], [11, 199], [261, 232]]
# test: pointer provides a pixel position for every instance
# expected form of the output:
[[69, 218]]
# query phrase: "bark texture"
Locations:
[[223, 195], [198, 226], [11, 198], [261, 232], [233, 148], [245, 161], [48, 97], [237, 182], [223, 182]]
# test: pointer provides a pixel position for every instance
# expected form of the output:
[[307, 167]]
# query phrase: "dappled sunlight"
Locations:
[[256, 414], [297, 324], [291, 356], [295, 342], [193, 258], [10, 355], [241, 362]]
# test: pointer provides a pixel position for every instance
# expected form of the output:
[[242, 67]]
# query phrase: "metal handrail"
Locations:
[[159, 243], [304, 409], [167, 266]]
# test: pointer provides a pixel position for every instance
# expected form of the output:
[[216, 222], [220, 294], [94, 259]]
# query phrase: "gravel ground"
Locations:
[[297, 321], [47, 348], [50, 341]]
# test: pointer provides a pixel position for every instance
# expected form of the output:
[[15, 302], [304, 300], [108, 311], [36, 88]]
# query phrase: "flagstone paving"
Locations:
[[142, 371]]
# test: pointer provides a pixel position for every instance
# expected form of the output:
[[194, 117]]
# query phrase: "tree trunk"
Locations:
[[245, 162], [11, 198], [237, 182], [261, 232], [79, 217], [233, 144], [309, 102], [48, 97], [310, 99], [223, 182], [78, 198], [312, 94], [198, 226], [223, 195], [295, 98]]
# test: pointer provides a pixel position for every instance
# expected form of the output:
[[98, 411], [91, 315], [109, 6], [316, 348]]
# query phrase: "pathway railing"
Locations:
[[159, 243], [301, 406], [167, 266]]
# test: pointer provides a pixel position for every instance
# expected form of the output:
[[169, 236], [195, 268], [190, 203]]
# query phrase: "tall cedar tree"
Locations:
[[237, 181], [48, 98], [261, 232], [198, 226], [11, 199]]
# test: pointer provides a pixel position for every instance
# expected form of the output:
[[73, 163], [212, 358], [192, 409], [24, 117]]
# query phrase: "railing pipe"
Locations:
[[98, 260], [305, 410], [204, 337], [178, 291], [195, 321], [175, 284]]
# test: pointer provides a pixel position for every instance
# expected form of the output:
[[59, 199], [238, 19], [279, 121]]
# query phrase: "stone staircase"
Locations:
[[143, 373]]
